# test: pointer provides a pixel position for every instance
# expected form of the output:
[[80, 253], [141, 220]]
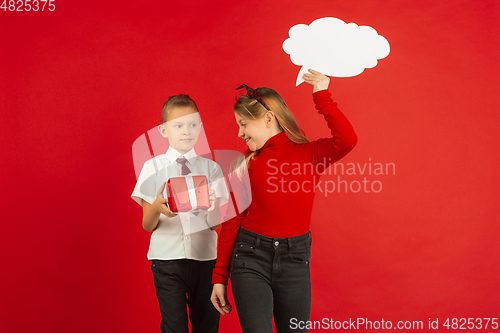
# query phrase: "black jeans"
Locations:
[[174, 279], [271, 276]]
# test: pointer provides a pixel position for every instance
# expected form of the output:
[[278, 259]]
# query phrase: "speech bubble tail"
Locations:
[[302, 71]]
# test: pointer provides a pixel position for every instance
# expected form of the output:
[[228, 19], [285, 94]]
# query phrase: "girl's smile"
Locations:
[[255, 132]]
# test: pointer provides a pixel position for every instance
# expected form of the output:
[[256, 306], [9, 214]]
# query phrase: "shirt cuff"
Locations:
[[139, 197]]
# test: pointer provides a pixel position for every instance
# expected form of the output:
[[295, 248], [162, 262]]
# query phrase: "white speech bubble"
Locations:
[[334, 48]]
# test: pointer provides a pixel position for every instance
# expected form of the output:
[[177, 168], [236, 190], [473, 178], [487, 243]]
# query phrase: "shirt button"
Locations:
[[187, 237], [276, 243]]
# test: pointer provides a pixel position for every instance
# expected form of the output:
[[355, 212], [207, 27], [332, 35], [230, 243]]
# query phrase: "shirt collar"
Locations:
[[276, 140], [173, 155]]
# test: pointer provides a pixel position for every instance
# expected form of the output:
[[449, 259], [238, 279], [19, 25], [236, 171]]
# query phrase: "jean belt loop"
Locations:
[[289, 243], [310, 238], [257, 242]]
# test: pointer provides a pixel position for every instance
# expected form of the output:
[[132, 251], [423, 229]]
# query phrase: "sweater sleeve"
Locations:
[[235, 214], [227, 238], [343, 140]]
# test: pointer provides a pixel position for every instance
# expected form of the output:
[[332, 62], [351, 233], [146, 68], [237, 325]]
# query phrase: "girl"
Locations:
[[267, 247]]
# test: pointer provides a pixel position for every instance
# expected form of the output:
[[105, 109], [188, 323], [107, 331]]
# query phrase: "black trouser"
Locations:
[[271, 276], [173, 280]]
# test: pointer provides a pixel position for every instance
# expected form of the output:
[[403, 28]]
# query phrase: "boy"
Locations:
[[182, 249]]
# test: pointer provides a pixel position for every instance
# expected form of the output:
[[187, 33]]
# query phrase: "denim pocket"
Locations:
[[241, 253], [243, 249], [300, 257]]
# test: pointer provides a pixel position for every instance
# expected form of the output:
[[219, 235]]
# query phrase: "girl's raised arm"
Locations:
[[343, 139]]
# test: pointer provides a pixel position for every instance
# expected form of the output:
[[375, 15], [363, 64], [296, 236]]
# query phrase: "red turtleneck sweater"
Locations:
[[283, 176]]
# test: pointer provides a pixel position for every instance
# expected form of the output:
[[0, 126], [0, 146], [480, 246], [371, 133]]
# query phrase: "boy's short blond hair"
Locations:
[[172, 102]]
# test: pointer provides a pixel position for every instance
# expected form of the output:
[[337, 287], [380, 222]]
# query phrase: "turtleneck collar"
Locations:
[[275, 140]]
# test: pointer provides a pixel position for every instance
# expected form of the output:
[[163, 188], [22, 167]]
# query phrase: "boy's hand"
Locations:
[[219, 299], [160, 204], [317, 80], [211, 195]]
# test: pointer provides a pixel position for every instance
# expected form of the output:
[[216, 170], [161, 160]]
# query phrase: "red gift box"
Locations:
[[187, 193]]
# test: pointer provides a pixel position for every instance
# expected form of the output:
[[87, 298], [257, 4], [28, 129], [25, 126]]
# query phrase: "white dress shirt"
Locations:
[[186, 235]]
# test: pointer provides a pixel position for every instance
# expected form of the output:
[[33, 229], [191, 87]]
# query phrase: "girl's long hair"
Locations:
[[252, 109]]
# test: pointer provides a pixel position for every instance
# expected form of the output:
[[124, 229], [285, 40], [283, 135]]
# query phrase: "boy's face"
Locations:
[[182, 128]]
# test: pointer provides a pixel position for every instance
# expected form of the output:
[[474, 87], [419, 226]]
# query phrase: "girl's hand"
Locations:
[[219, 299], [317, 80], [160, 204], [211, 195]]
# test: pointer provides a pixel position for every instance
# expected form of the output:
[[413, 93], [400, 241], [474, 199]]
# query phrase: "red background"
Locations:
[[80, 84]]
